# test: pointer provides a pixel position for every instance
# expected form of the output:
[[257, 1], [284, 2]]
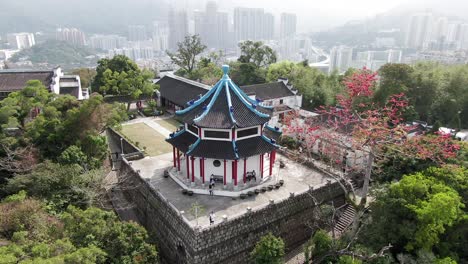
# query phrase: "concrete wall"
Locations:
[[227, 242]]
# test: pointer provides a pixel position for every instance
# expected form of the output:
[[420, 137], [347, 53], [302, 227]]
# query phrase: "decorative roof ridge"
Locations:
[[200, 100], [211, 103], [193, 146], [252, 101], [176, 134], [269, 140], [231, 108], [198, 84], [244, 100], [274, 129]]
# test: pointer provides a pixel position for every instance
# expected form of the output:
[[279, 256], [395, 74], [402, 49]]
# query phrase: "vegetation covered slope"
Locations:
[[54, 52]]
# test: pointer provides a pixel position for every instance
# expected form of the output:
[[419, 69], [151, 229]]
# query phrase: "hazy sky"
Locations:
[[319, 15]]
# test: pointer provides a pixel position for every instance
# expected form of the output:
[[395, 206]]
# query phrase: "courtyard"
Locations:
[[148, 135]]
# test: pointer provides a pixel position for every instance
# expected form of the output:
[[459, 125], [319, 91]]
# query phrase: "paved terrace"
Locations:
[[297, 179]]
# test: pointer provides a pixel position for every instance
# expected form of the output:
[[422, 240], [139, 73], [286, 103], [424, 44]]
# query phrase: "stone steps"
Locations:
[[345, 220]]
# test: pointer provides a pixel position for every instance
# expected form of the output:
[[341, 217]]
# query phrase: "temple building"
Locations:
[[222, 139]]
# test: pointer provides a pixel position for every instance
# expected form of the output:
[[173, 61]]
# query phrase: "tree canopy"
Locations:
[[187, 52], [121, 76], [269, 250], [74, 236], [257, 53], [420, 212]]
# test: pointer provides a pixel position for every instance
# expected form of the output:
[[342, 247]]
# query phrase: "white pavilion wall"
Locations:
[[253, 163], [211, 169]]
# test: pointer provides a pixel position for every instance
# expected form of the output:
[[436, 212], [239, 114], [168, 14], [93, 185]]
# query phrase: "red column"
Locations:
[[261, 165], [274, 156], [224, 179], [178, 160], [234, 172], [193, 169], [271, 163], [245, 170], [188, 166], [173, 156], [202, 169]]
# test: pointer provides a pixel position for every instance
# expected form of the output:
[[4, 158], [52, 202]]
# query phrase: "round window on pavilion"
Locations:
[[216, 163]]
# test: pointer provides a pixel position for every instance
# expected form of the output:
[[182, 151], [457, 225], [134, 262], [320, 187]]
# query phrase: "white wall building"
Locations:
[[341, 58], [21, 41]]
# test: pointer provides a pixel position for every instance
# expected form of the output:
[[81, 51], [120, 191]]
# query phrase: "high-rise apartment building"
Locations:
[[341, 58], [160, 36], [288, 25], [178, 27], [373, 60], [253, 24], [137, 33], [107, 42], [21, 40], [71, 35], [419, 31], [212, 26]]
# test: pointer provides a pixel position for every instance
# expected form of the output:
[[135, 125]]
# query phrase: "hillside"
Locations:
[[55, 53]]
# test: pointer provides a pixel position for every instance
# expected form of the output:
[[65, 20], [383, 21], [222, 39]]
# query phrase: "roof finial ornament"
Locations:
[[226, 71]]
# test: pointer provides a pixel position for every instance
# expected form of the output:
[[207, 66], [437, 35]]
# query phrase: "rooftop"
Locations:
[[180, 90], [268, 91], [11, 81], [225, 106]]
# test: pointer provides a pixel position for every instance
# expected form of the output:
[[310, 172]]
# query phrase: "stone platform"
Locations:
[[186, 237], [297, 179]]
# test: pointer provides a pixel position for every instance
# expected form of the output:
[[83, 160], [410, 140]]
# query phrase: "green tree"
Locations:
[[121, 76], [414, 213], [269, 250], [187, 52], [124, 242], [60, 185], [17, 107], [75, 236], [317, 88], [257, 53], [246, 73], [395, 78]]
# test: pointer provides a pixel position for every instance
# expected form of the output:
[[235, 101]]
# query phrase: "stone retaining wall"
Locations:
[[230, 241], [128, 147]]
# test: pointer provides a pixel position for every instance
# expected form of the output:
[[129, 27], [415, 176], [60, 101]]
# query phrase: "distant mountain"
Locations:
[[100, 16]]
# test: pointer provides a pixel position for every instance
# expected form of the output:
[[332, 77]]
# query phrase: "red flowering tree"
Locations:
[[358, 125]]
